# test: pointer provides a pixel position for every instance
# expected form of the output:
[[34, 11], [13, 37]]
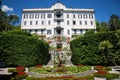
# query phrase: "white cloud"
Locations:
[[5, 8]]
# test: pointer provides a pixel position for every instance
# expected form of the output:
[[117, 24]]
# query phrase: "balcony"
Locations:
[[58, 18]]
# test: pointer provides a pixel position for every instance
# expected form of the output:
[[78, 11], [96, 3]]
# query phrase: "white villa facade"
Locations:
[[58, 19]]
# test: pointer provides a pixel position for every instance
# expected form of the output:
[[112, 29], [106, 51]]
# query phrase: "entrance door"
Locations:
[[58, 30]]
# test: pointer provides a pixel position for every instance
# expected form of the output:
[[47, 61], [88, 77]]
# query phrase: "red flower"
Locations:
[[70, 76], [80, 65], [99, 67], [39, 66], [101, 72], [21, 73], [20, 68]]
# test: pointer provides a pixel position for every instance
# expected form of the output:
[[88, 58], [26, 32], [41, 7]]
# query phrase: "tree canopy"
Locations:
[[7, 21]]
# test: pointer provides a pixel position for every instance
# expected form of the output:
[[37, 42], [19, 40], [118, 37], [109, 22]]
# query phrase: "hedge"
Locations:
[[20, 48], [85, 49]]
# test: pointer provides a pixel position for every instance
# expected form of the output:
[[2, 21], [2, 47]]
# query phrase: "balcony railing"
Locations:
[[58, 18]]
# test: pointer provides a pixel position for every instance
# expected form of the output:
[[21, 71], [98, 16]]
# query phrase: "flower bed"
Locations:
[[102, 73], [18, 73], [89, 77], [60, 70]]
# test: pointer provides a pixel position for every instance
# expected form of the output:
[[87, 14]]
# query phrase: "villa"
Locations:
[[58, 20]]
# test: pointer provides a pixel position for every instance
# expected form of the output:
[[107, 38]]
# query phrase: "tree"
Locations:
[[89, 32], [0, 2], [13, 19], [17, 27], [102, 26], [104, 46], [7, 22], [97, 25], [114, 22]]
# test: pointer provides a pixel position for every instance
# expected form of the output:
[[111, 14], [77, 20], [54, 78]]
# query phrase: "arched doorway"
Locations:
[[58, 30]]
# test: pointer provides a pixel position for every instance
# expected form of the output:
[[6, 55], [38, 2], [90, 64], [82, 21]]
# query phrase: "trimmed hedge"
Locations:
[[85, 49], [20, 48]]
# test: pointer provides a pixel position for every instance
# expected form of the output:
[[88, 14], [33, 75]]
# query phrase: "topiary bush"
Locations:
[[85, 49], [20, 48]]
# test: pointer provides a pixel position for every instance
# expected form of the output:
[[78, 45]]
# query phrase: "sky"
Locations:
[[103, 8]]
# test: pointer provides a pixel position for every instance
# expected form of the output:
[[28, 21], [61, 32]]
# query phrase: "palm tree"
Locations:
[[104, 46], [13, 19]]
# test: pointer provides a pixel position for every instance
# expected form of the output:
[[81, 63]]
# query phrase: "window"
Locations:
[[42, 15], [35, 31], [73, 15], [91, 22], [80, 16], [42, 23], [30, 30], [49, 22], [67, 22], [36, 16], [80, 22], [75, 31], [42, 31], [67, 15], [25, 22], [58, 22], [91, 16], [85, 22], [74, 22], [85, 16], [25, 16], [68, 32], [31, 16], [30, 22], [36, 22], [49, 32], [49, 15], [81, 31]]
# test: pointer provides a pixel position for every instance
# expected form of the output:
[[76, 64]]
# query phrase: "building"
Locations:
[[58, 20]]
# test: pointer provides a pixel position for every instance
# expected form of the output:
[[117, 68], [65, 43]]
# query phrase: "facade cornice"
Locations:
[[64, 10], [58, 6]]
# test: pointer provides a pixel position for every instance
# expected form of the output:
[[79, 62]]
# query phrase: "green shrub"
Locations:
[[112, 76], [59, 45], [18, 32], [12, 78], [12, 70], [107, 68], [31, 78], [100, 75], [18, 49], [85, 49], [20, 77]]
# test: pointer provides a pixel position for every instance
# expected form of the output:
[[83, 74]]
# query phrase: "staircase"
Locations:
[[59, 39]]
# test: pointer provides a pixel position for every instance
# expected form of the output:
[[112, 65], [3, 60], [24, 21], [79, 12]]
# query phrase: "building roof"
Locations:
[[58, 6]]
